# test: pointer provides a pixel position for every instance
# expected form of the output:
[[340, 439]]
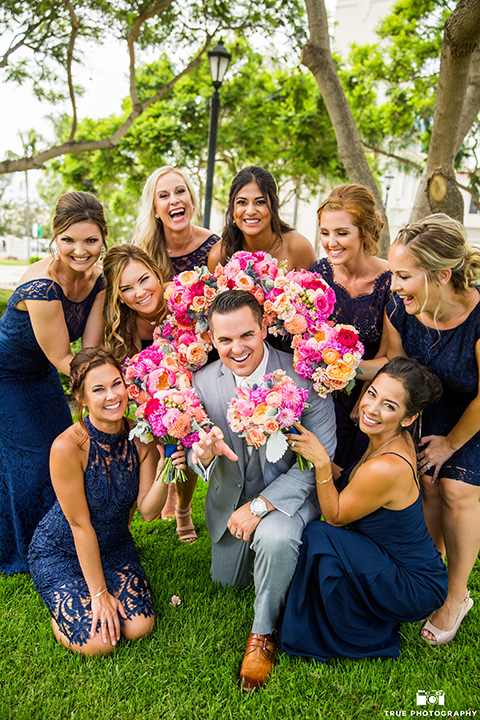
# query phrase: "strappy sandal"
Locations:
[[445, 636], [185, 534]]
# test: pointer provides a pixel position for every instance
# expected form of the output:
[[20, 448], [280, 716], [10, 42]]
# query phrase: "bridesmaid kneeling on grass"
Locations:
[[82, 558], [354, 585]]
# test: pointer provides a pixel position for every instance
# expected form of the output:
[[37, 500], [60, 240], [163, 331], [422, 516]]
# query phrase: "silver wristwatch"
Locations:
[[258, 507]]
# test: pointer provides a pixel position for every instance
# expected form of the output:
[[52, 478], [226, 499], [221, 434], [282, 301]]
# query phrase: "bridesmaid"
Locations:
[[435, 316], [134, 302], [59, 299], [134, 306], [253, 223], [82, 557], [165, 228], [370, 564], [350, 228], [166, 231]]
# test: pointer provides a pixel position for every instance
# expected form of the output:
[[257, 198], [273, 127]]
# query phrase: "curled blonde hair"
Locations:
[[437, 243], [149, 233], [120, 326], [360, 203]]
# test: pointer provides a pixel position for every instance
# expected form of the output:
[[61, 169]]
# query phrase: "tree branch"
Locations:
[[71, 147], [71, 45]]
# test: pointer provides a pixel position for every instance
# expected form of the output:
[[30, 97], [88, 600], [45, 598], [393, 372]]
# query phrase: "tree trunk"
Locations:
[[461, 35], [317, 57]]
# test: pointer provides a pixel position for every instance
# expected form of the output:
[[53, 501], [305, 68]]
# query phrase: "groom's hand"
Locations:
[[209, 445]]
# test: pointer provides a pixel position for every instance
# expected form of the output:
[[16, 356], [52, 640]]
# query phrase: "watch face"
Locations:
[[258, 506]]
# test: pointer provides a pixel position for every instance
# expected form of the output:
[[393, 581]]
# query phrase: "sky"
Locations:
[[105, 77]]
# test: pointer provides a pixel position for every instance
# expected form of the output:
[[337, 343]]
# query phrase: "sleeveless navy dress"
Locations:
[[111, 488], [33, 412], [365, 312], [353, 587], [450, 354]]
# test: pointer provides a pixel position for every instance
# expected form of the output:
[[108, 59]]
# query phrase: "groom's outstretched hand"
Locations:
[[209, 445]]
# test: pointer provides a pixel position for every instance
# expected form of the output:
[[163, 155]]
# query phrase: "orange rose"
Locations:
[[330, 355], [255, 437], [340, 371], [180, 427], [260, 414], [209, 293], [245, 282], [188, 277], [196, 354], [222, 283]]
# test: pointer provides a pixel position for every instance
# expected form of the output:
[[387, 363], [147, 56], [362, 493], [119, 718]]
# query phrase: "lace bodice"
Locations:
[[16, 325], [197, 258], [111, 482], [365, 311]]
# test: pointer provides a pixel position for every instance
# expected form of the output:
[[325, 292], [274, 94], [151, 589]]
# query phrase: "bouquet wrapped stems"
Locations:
[[169, 473], [301, 460]]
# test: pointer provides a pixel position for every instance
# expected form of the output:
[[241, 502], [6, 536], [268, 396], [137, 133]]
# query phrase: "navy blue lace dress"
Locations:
[[353, 587], [111, 488], [197, 258], [365, 312], [451, 356], [33, 412]]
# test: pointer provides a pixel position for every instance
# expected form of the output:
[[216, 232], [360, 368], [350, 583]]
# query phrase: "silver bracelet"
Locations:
[[322, 482], [99, 593]]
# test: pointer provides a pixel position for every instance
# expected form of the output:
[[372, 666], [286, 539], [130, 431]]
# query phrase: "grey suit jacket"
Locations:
[[288, 488]]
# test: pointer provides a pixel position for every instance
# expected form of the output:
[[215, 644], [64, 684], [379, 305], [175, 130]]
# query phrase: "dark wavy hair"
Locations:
[[422, 386], [232, 237]]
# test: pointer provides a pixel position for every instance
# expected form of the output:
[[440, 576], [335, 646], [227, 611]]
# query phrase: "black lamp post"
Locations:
[[219, 59]]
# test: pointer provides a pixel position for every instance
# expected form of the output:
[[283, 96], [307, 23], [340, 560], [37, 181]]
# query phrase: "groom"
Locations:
[[255, 511]]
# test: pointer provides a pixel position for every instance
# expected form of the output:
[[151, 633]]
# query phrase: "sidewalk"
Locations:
[[10, 275]]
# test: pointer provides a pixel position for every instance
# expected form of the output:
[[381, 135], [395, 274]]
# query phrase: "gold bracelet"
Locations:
[[99, 593], [322, 482]]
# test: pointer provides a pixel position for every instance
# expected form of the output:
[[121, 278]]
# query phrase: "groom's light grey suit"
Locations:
[[272, 554]]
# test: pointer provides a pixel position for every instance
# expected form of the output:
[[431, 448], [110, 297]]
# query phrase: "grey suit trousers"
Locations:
[[271, 558]]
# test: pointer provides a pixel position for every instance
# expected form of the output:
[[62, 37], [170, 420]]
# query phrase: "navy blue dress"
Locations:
[[33, 412], [111, 488], [353, 587], [451, 356], [197, 258], [365, 312]]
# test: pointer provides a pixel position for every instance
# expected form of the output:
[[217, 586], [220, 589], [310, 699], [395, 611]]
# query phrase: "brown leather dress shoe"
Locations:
[[258, 661]]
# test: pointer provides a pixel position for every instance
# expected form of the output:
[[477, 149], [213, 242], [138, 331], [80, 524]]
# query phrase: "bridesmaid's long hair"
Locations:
[[149, 233], [232, 236], [120, 327]]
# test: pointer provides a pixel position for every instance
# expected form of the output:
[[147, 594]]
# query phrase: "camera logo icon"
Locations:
[[430, 697]]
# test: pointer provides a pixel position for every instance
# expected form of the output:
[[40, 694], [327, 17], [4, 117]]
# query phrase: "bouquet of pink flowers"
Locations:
[[175, 416], [188, 298], [330, 358], [262, 414], [254, 272], [299, 303], [167, 406]]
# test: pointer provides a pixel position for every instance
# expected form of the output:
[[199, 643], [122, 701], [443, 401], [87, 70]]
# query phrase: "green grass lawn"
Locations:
[[188, 667]]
